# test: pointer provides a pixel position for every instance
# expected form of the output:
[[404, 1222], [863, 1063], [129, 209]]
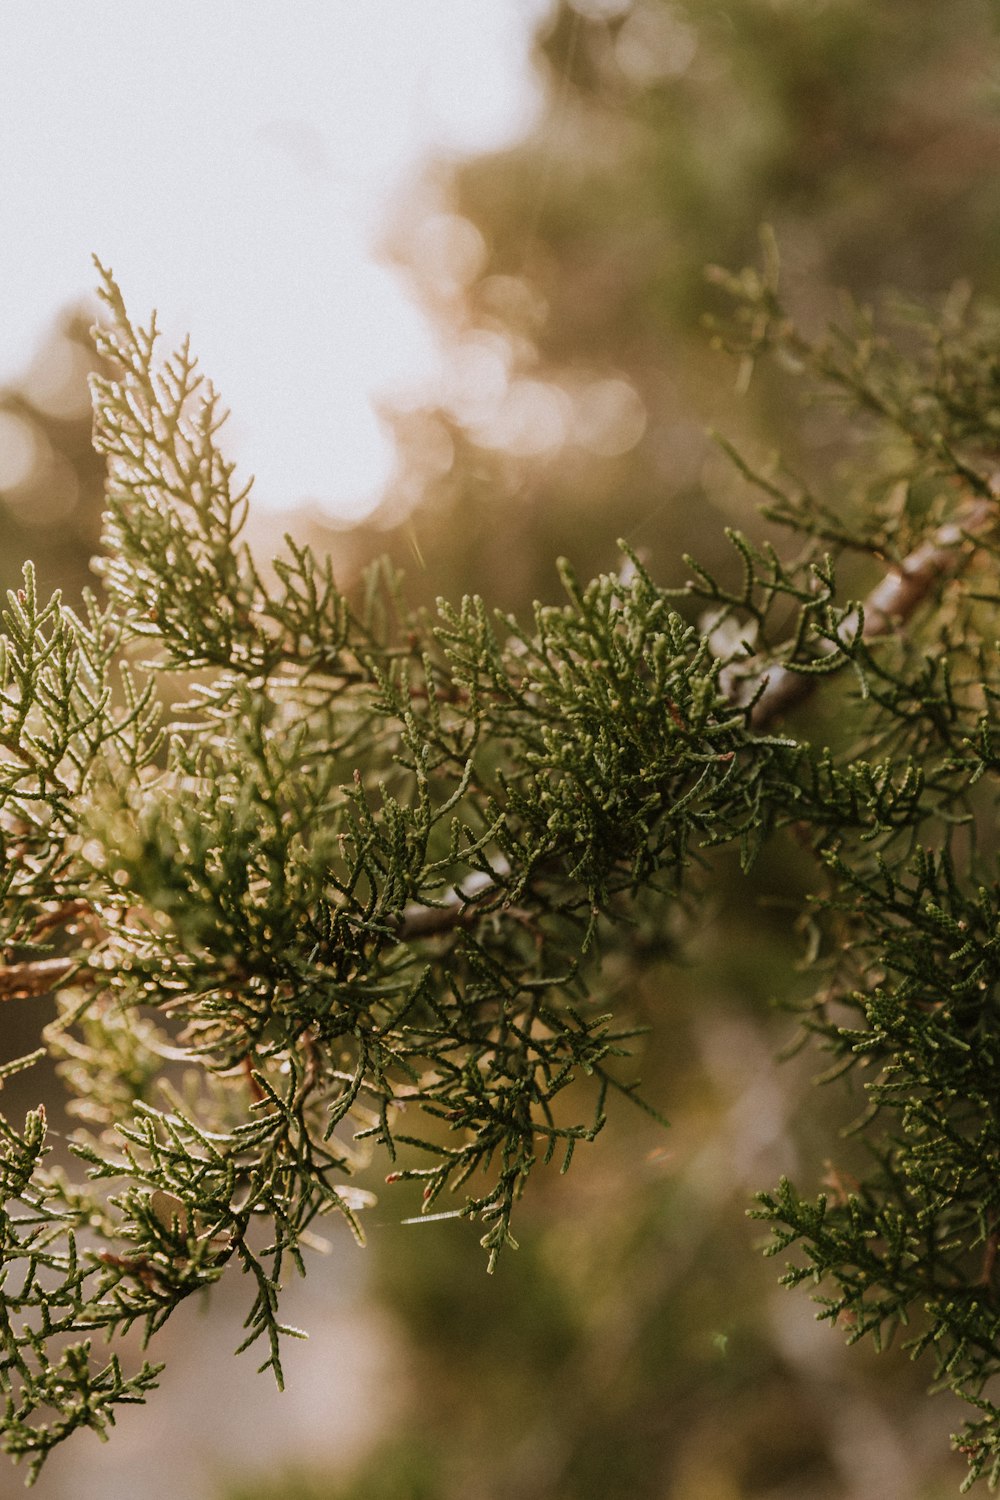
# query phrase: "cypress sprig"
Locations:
[[317, 876]]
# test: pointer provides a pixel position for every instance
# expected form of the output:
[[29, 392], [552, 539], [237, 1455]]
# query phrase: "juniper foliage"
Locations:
[[312, 877]]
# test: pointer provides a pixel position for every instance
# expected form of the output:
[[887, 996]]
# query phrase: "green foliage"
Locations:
[[315, 877]]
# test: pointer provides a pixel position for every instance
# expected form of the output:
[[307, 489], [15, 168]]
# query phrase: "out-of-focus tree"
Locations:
[[644, 1352], [51, 480], [567, 274]]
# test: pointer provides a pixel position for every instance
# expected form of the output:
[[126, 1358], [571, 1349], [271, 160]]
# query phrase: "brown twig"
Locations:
[[889, 605], [62, 916], [460, 908], [256, 1092], [989, 1257], [35, 977]]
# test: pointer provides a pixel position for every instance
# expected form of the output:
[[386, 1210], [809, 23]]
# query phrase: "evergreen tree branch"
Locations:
[[887, 608], [354, 873]]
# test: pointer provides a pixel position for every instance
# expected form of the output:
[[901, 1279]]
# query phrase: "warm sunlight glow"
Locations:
[[233, 164]]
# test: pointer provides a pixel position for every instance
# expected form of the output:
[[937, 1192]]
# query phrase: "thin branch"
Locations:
[[889, 605], [35, 977], [460, 908]]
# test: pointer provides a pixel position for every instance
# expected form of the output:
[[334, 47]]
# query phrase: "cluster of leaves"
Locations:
[[304, 871], [905, 933]]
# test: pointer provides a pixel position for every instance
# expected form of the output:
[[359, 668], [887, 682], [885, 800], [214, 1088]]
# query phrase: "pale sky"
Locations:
[[233, 161]]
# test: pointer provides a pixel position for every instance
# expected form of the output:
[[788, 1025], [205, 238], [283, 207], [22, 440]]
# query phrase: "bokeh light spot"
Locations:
[[655, 44], [533, 419], [513, 300], [56, 382], [19, 451], [476, 377], [601, 10], [609, 417], [448, 252]]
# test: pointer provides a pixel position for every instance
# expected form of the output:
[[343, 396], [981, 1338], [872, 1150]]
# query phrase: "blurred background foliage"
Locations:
[[567, 276], [51, 480], [637, 1346]]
